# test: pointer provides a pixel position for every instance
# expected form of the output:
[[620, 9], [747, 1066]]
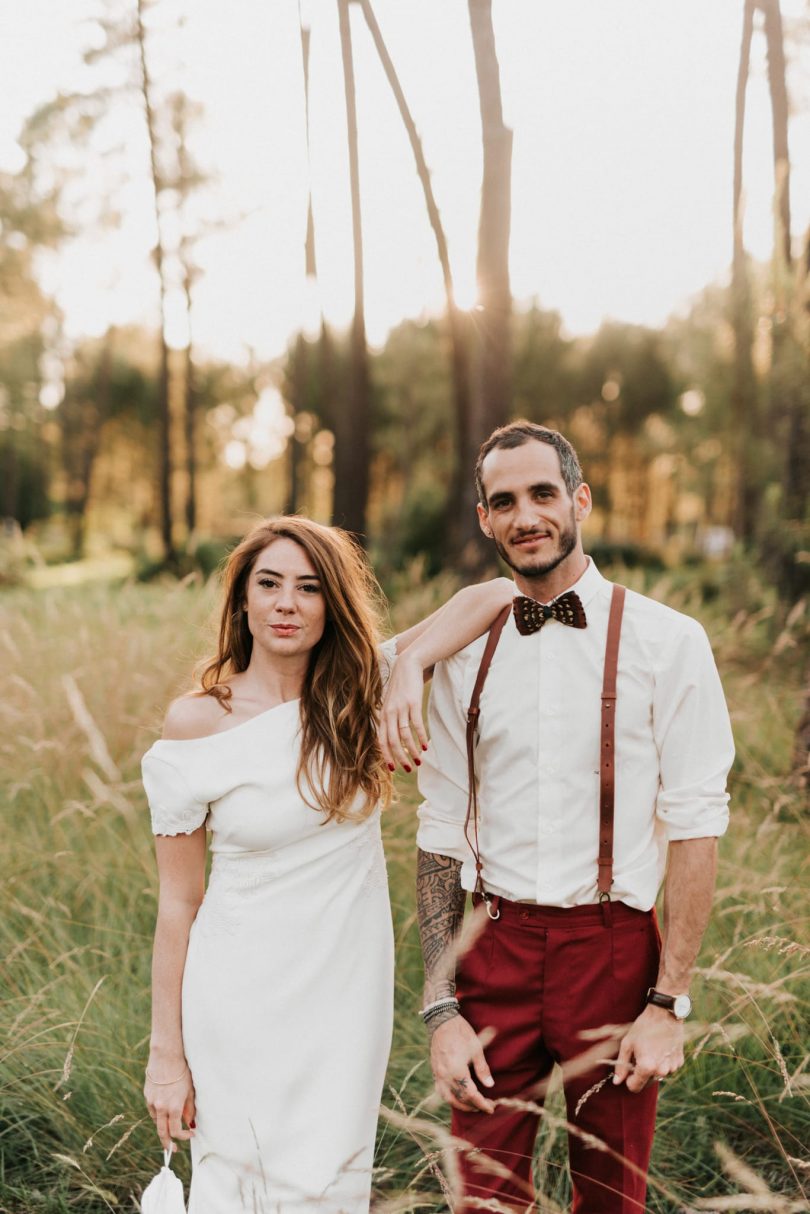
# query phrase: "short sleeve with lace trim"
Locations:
[[174, 808], [387, 653]]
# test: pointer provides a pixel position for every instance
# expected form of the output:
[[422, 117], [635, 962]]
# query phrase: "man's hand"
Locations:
[[651, 1049], [453, 1047], [401, 730]]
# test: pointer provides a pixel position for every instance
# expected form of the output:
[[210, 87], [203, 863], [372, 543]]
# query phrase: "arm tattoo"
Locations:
[[440, 910]]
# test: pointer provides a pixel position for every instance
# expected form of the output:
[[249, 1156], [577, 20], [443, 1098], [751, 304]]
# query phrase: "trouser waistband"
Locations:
[[559, 916]]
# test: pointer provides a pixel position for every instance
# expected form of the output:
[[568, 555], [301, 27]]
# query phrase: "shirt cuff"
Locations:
[[685, 822], [441, 837]]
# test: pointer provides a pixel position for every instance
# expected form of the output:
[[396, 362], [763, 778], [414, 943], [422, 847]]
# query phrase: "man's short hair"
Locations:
[[520, 432]]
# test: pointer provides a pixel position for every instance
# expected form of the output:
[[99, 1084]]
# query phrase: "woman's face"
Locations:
[[285, 603]]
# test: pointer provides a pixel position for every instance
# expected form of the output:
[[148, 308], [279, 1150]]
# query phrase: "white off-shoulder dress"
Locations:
[[288, 983]]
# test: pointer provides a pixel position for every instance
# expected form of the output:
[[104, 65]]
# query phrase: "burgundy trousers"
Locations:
[[540, 977]]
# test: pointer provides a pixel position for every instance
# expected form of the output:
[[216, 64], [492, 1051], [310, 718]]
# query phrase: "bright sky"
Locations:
[[622, 111]]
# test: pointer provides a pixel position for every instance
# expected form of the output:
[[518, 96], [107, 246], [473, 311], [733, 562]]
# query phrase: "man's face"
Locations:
[[530, 514]]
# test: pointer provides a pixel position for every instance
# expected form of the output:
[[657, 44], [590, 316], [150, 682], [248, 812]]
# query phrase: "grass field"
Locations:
[[87, 672]]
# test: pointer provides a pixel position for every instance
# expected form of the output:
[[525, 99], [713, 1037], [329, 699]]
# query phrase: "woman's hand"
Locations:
[[467, 615], [170, 1101], [402, 731]]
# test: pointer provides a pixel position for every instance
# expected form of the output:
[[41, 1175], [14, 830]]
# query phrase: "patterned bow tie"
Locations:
[[530, 616]]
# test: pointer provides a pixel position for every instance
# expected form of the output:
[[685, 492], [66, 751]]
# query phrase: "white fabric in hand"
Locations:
[[164, 1194]]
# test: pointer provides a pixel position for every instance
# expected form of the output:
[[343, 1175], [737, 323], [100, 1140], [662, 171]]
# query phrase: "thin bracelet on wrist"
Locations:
[[443, 1016], [439, 1008], [165, 1083], [445, 1001]]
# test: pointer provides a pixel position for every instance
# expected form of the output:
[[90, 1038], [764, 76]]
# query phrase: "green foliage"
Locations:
[[545, 373], [210, 554], [80, 893], [25, 472], [413, 445], [629, 556], [633, 359], [198, 563]]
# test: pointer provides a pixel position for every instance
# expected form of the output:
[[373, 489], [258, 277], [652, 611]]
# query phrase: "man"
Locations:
[[570, 947]]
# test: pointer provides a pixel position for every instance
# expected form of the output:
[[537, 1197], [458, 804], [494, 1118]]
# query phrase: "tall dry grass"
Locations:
[[86, 675]]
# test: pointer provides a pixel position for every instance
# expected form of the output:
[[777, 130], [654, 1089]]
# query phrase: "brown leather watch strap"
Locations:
[[607, 749], [496, 628]]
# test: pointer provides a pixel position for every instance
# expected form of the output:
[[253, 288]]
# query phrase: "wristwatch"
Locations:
[[679, 1005]]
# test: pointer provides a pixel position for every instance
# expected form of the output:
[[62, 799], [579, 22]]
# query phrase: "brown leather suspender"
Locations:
[[607, 748], [472, 721], [606, 755]]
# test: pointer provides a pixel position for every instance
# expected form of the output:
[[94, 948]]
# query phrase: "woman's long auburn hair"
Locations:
[[340, 700]]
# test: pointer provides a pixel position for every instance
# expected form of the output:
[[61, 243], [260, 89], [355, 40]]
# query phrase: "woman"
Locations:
[[272, 988]]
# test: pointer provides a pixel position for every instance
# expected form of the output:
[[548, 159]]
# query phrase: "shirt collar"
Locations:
[[587, 585]]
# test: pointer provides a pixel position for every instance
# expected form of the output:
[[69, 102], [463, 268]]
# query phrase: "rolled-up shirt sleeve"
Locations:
[[443, 774], [693, 735]]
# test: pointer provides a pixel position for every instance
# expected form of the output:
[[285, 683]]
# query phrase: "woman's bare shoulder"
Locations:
[[192, 716]]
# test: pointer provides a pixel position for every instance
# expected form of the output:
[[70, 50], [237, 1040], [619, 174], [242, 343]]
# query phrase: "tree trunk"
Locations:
[[459, 353], [184, 185], [352, 423], [190, 419], [310, 267], [801, 742], [83, 412], [297, 399], [164, 414], [300, 359], [744, 387], [10, 478], [777, 85], [788, 416], [491, 382]]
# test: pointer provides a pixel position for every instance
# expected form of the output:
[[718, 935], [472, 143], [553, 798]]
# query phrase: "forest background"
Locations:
[[421, 223]]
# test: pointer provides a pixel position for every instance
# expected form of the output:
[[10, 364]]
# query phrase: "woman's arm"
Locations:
[[464, 617], [169, 1089]]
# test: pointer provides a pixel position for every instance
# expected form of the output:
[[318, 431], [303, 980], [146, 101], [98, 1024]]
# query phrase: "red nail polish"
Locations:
[[407, 768], [424, 747], [418, 762], [391, 767], [192, 1125]]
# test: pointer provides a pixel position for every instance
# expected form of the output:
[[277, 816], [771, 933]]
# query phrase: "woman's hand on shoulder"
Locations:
[[467, 615], [401, 731], [495, 594], [191, 716]]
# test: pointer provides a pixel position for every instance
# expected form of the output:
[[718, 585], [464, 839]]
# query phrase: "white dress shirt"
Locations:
[[537, 756]]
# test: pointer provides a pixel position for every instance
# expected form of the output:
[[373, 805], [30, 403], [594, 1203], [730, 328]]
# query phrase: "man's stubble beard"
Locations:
[[566, 545]]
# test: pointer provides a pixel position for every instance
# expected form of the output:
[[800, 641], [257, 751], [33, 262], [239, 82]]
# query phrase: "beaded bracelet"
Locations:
[[440, 1005], [441, 1016]]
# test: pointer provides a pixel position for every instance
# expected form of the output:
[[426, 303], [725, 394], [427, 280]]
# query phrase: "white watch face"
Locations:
[[682, 1006]]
